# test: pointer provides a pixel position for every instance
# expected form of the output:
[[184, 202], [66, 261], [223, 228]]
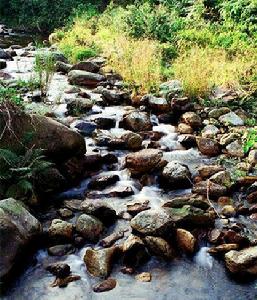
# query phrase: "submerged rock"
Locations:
[[18, 228], [243, 261]]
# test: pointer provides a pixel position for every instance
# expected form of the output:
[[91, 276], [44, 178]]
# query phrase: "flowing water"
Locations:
[[200, 277]]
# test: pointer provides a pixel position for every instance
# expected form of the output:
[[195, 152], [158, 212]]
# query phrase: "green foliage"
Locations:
[[10, 94], [17, 171], [250, 141]]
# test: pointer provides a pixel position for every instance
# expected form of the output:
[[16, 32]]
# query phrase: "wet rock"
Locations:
[[231, 119], [179, 105], [190, 199], [3, 64], [105, 286], [85, 128], [217, 112], [89, 227], [152, 222], [244, 261], [103, 181], [189, 216], [186, 241], [132, 140], [18, 228], [60, 230], [157, 104], [171, 87], [88, 66], [159, 247], [137, 121], [78, 106], [136, 207], [59, 142], [4, 55], [228, 138], [60, 270], [127, 270], [228, 211], [252, 157], [111, 239], [134, 251], [115, 96], [118, 192], [105, 123], [210, 131], [208, 146], [214, 190], [185, 128], [235, 149], [143, 161], [207, 171], [222, 201], [222, 178], [100, 210], [224, 248], [84, 78], [175, 175], [62, 67], [192, 119], [144, 277], [63, 282], [61, 250], [73, 204], [65, 213], [72, 90], [215, 236], [187, 140], [99, 262]]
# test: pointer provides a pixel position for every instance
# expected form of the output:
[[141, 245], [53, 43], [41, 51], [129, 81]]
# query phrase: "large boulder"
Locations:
[[137, 121], [243, 261], [84, 78], [144, 161], [28, 131], [17, 230]]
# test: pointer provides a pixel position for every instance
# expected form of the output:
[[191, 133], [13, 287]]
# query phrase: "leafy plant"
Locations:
[[17, 171], [250, 141], [10, 94]]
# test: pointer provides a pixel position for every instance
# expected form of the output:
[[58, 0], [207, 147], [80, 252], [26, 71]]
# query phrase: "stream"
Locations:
[[197, 277]]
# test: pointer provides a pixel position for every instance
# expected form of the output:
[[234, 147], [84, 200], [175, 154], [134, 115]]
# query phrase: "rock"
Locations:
[[118, 192], [210, 131], [115, 96], [59, 142], [222, 201], [132, 140], [252, 157], [144, 277], [207, 171], [134, 251], [152, 222], [89, 227], [222, 178], [208, 146], [87, 65], [84, 78], [73, 204], [103, 181], [136, 207], [60, 230], [78, 106], [175, 175], [62, 67], [127, 270], [65, 213], [105, 286], [100, 210], [159, 247], [63, 282], [190, 199], [137, 121], [4, 55], [61, 250], [99, 262], [189, 216], [187, 140], [156, 104], [18, 229], [231, 119], [228, 138], [186, 241], [243, 261], [171, 87], [217, 112], [179, 105], [60, 270], [111, 239], [85, 128], [224, 248], [235, 149], [228, 211], [3, 64], [215, 236], [143, 161], [185, 128], [105, 123], [58, 56], [192, 119], [214, 190]]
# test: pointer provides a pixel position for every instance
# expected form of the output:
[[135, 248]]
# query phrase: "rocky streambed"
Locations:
[[158, 211]]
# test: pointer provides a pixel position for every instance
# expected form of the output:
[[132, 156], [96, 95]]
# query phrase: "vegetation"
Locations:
[[250, 141]]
